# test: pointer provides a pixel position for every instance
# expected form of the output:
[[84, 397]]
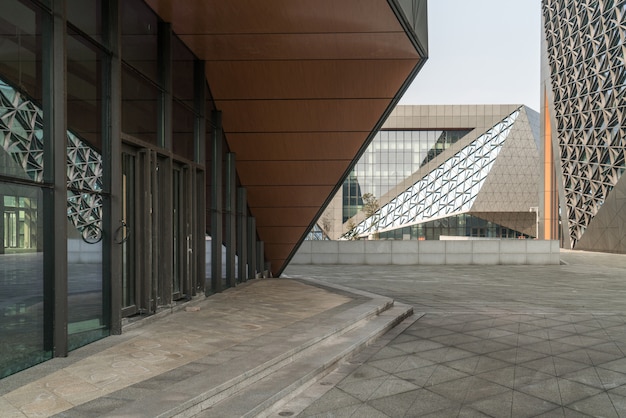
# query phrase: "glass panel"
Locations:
[[176, 220], [84, 89], [86, 16], [20, 46], [182, 72], [128, 244], [84, 202], [21, 279], [182, 135], [139, 37], [139, 106], [21, 144]]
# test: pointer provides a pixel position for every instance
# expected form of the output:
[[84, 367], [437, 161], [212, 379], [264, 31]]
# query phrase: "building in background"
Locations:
[[131, 129], [432, 171], [583, 124]]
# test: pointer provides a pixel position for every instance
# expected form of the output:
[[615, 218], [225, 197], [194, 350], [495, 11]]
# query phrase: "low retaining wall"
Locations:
[[489, 252]]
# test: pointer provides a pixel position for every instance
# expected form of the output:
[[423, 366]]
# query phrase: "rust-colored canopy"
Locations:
[[301, 85]]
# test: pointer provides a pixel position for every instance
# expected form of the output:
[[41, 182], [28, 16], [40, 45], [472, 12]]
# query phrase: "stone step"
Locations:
[[274, 365], [280, 386]]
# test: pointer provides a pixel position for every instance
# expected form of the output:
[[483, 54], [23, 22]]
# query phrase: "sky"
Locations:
[[480, 52]]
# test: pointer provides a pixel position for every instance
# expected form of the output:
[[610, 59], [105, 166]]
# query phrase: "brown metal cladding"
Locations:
[[301, 85]]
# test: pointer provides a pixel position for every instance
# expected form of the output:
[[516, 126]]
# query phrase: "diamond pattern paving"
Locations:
[[478, 351], [490, 377]]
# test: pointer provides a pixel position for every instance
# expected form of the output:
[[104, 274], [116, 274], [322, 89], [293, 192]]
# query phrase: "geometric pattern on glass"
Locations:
[[21, 130], [449, 189], [21, 137], [585, 47]]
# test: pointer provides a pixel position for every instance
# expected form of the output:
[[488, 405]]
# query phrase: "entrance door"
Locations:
[[181, 232], [134, 232], [155, 231], [126, 234]]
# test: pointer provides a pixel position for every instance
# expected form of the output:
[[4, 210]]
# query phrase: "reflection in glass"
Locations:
[[86, 16], [21, 278], [86, 319], [182, 135], [20, 45], [139, 106], [21, 135]]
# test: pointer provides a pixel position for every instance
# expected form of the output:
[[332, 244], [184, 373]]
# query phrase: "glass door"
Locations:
[[135, 230], [125, 236], [177, 233], [182, 213]]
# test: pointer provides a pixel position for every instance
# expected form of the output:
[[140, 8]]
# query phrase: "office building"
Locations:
[[584, 124], [443, 171], [129, 130]]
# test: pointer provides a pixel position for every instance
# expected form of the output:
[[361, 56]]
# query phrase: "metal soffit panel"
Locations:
[[287, 76]]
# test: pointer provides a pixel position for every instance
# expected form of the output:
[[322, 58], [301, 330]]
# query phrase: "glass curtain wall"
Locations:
[[463, 225], [27, 278], [22, 322], [87, 317], [391, 158]]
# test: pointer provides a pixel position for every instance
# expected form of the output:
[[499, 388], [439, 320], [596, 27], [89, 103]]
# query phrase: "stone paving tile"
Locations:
[[544, 357], [599, 405], [169, 350]]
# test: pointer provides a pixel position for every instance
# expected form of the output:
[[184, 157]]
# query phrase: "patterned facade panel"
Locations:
[[513, 183], [21, 139], [585, 42], [448, 189], [21, 130]]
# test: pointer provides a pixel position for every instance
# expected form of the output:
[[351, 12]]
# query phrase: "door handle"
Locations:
[[121, 233]]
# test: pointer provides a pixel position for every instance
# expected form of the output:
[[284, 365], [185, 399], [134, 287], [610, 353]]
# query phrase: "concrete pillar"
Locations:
[[251, 247], [242, 235], [260, 256], [216, 203], [54, 173], [230, 212]]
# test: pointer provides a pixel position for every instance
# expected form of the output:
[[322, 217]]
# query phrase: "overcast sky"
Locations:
[[480, 51]]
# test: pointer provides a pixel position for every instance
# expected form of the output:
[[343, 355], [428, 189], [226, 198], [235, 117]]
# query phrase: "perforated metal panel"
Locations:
[[585, 42]]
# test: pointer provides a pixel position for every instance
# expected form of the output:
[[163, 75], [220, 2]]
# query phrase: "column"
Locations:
[[199, 157], [251, 247], [55, 168], [112, 167], [216, 203], [164, 129], [260, 257], [230, 212], [242, 235]]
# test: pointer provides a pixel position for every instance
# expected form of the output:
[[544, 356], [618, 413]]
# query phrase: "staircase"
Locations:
[[278, 365]]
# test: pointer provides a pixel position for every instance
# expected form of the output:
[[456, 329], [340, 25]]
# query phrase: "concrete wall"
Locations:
[[481, 252]]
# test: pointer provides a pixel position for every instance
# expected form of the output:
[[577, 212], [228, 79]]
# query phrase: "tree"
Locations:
[[351, 234], [326, 224], [370, 204], [370, 207]]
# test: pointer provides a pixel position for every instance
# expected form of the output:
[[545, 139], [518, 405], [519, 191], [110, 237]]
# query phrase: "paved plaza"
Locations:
[[484, 341], [497, 341]]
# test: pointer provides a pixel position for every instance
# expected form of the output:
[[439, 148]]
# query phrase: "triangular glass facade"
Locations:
[[447, 190]]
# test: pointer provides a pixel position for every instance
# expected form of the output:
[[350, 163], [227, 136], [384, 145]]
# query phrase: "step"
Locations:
[[336, 333], [312, 366]]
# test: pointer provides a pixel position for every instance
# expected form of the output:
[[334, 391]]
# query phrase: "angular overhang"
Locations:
[[301, 86]]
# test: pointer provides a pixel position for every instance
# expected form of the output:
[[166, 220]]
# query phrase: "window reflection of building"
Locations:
[[20, 223]]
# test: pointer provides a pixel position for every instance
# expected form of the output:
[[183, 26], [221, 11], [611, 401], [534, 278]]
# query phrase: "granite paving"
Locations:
[[496, 341]]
